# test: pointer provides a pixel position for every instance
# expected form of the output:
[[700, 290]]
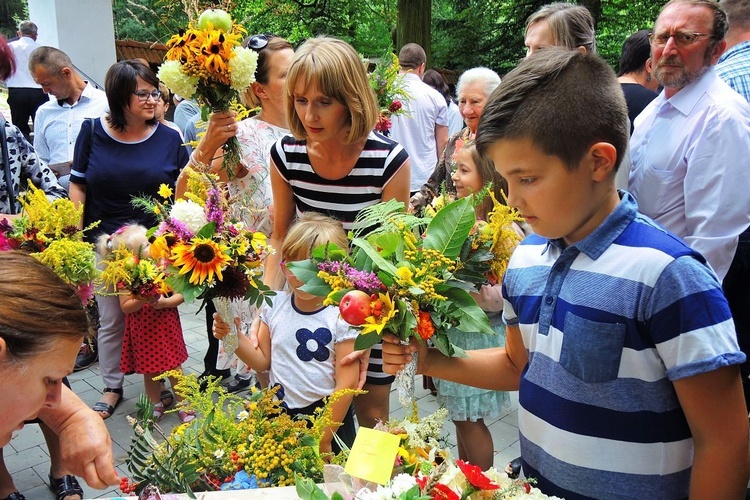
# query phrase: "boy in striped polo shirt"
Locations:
[[619, 339]]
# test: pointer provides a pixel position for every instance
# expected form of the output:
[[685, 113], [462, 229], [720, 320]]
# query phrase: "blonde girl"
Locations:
[[153, 342], [302, 341]]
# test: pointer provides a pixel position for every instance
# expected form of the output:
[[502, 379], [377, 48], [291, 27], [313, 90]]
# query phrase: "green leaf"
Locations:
[[481, 255], [207, 231], [442, 343], [316, 286], [471, 317], [365, 341], [387, 243], [308, 490], [451, 226], [374, 256], [336, 297]]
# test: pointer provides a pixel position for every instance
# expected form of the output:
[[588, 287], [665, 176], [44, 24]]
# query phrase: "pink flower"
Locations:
[[395, 106]]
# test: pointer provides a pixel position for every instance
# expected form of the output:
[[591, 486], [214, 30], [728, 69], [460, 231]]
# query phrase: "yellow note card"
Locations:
[[372, 455]]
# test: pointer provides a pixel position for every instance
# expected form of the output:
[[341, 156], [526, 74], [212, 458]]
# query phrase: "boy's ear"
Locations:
[[604, 157]]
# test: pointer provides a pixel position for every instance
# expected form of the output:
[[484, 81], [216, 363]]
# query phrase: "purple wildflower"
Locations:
[[178, 228], [364, 280], [214, 213]]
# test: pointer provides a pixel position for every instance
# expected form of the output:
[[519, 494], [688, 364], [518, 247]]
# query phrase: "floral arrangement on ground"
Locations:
[[232, 444], [423, 469]]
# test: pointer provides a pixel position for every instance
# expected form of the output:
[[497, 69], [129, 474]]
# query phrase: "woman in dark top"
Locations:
[[634, 74], [127, 153]]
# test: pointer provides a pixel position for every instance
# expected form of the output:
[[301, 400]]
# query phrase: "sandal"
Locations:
[[102, 407], [158, 411], [167, 398], [186, 416], [66, 486]]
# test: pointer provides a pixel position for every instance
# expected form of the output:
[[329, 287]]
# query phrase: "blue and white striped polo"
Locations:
[[609, 323]]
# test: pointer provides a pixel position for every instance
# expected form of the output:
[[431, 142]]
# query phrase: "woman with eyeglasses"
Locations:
[[250, 184], [124, 154]]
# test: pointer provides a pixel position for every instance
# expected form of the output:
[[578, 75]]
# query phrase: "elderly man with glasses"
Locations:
[[691, 145]]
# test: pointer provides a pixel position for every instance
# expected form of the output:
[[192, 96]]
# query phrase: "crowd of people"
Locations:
[[622, 320]]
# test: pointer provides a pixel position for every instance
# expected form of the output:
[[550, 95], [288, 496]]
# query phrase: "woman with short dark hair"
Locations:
[[124, 154]]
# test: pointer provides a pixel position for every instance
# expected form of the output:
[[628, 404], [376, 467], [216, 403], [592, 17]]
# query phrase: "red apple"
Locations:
[[355, 307], [219, 20]]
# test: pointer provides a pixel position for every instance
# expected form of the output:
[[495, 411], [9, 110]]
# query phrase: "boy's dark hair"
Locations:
[[561, 100], [120, 82], [635, 52]]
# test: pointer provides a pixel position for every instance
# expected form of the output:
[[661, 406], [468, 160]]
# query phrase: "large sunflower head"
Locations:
[[202, 257]]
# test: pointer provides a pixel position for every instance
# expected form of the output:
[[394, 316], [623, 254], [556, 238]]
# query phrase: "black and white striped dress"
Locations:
[[380, 160]]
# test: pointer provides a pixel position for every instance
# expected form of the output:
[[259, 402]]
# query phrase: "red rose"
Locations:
[[476, 477], [395, 106]]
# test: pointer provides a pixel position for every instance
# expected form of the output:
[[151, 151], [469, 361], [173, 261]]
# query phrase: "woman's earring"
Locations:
[[648, 78]]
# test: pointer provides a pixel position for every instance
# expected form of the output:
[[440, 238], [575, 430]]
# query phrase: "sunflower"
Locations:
[[203, 257], [387, 312]]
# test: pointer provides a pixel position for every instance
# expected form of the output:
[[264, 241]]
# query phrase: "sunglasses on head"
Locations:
[[260, 41]]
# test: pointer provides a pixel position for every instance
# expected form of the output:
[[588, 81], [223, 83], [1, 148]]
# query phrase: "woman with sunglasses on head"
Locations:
[[250, 184], [127, 153], [334, 164]]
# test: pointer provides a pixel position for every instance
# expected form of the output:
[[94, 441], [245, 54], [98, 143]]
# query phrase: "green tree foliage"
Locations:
[[620, 19], [11, 13], [464, 33], [365, 24]]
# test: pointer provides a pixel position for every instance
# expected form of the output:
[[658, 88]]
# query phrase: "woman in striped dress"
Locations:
[[335, 164]]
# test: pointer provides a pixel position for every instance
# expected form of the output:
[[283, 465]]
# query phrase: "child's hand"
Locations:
[[221, 328], [159, 302]]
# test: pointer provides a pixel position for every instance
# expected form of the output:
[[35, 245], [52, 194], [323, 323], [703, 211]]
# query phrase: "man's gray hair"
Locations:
[[484, 76], [28, 28]]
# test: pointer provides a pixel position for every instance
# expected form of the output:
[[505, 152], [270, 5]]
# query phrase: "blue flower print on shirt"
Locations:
[[321, 336]]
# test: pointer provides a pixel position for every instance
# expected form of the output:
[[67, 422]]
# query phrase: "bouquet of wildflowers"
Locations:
[[135, 274], [206, 62], [49, 231], [390, 90], [401, 281], [233, 444], [206, 254]]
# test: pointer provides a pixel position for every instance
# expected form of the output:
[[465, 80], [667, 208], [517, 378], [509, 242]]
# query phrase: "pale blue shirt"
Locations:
[[689, 169], [57, 124]]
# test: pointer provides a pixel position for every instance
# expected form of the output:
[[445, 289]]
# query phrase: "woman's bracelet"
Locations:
[[198, 165]]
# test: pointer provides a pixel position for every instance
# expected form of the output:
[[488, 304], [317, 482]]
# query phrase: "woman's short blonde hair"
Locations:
[[310, 231], [335, 68]]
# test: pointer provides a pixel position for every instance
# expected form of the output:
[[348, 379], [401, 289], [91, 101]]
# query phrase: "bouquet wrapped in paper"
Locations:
[[206, 254]]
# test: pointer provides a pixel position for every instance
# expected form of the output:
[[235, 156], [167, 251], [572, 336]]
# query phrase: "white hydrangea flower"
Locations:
[[402, 483], [170, 72], [189, 213], [242, 68]]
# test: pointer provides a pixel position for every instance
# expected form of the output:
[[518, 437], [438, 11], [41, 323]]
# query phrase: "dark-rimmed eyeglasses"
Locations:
[[260, 41], [681, 38], [143, 95]]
